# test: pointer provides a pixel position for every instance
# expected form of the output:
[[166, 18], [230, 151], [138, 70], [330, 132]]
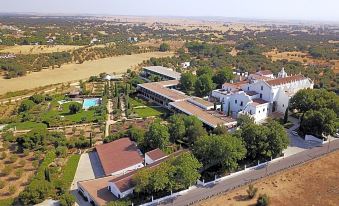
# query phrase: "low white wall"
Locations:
[[309, 137]]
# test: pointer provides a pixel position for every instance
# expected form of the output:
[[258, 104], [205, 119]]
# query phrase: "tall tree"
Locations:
[[223, 75], [204, 85], [157, 136], [224, 151], [187, 81]]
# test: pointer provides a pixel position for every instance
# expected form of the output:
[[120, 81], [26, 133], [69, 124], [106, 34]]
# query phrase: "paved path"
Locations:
[[201, 193], [88, 168]]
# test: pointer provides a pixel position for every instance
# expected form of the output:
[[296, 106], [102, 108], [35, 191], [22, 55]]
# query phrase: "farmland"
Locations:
[[72, 72]]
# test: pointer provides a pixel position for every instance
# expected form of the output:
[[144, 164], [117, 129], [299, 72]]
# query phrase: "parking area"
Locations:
[[89, 167]]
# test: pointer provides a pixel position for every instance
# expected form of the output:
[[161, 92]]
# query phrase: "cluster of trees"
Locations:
[[205, 80], [164, 47], [319, 111], [174, 174]]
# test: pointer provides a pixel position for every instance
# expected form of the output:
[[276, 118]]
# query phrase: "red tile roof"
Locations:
[[264, 72], [236, 84], [285, 80], [118, 155], [156, 154], [259, 101]]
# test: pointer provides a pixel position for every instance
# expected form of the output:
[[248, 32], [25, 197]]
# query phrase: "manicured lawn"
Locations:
[[136, 102], [149, 111], [69, 170], [26, 125]]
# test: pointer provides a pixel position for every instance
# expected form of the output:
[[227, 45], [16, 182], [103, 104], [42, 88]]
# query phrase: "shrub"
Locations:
[[251, 191], [19, 172], [7, 170], [263, 200], [67, 200], [2, 184], [74, 107], [13, 158], [11, 189]]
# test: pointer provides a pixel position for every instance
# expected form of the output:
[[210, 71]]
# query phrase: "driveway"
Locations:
[[89, 167], [297, 144]]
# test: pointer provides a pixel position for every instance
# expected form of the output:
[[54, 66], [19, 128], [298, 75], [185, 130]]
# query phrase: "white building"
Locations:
[[153, 156], [261, 97]]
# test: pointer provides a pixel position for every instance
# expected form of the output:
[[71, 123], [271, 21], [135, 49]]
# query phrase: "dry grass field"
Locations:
[[72, 72], [37, 49], [315, 183], [174, 45]]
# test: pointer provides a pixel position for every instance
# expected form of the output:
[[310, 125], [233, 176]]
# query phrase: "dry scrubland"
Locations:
[[37, 49], [72, 72], [315, 183]]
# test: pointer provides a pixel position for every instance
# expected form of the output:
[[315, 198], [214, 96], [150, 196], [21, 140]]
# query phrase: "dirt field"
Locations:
[[37, 49], [315, 183], [72, 72]]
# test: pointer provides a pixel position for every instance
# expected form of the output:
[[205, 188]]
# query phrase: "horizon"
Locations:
[[303, 10]]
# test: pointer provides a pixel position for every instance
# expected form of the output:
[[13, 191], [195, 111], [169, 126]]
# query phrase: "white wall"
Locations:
[[235, 103], [148, 160], [128, 169], [266, 91], [116, 192]]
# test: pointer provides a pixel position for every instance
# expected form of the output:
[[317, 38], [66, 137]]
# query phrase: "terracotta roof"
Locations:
[[204, 116], [160, 89], [264, 72], [258, 101], [251, 93], [156, 154], [97, 189], [258, 77], [236, 84], [118, 155], [285, 80], [201, 101]]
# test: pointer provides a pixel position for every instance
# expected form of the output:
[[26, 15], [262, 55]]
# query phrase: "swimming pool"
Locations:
[[92, 102]]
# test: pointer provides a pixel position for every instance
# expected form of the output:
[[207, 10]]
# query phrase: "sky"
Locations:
[[313, 10]]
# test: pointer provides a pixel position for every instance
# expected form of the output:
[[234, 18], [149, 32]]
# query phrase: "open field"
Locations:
[[72, 72], [37, 49], [315, 183]]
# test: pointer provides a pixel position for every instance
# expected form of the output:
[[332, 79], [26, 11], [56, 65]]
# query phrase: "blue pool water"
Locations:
[[92, 102]]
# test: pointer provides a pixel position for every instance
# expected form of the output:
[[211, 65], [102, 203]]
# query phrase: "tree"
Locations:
[[74, 107], [157, 136], [37, 98], [203, 85], [244, 119], [251, 191], [11, 189], [36, 192], [164, 47], [177, 127], [220, 130], [142, 180], [264, 141], [19, 172], [318, 123], [187, 81], [25, 105], [67, 199], [223, 75], [186, 170], [286, 116], [119, 203], [263, 200], [47, 175], [224, 151], [194, 129], [204, 70]]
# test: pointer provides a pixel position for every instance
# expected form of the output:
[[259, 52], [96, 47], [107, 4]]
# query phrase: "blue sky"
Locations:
[[322, 10]]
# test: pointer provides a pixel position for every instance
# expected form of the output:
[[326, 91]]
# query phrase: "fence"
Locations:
[[283, 162]]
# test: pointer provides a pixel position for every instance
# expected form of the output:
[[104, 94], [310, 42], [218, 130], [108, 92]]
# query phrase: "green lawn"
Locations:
[[69, 170], [26, 125], [136, 102], [149, 111]]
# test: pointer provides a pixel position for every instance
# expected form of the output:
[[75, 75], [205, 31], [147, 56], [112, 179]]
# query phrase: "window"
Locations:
[[262, 88], [250, 111], [248, 88], [236, 101], [259, 111], [283, 105], [260, 96], [241, 103], [263, 110]]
